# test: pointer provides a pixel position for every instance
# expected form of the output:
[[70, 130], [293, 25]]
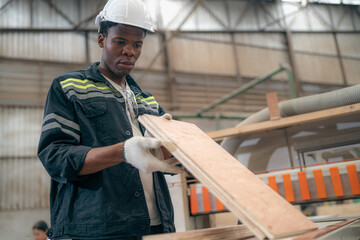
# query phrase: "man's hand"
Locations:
[[165, 152], [167, 116], [137, 153]]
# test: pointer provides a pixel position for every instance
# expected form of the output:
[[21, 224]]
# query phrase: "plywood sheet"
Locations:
[[261, 209], [223, 233]]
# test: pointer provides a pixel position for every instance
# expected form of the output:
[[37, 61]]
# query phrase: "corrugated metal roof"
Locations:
[[16, 14], [243, 15], [65, 46], [264, 40]]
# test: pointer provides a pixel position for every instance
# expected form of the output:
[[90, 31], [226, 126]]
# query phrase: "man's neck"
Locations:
[[120, 80]]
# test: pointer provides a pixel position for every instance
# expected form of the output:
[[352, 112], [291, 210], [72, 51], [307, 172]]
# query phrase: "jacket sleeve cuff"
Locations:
[[79, 158]]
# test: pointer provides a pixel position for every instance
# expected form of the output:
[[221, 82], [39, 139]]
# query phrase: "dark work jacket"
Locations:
[[84, 111]]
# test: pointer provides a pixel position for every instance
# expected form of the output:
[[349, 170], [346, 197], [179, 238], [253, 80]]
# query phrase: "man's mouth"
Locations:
[[127, 63]]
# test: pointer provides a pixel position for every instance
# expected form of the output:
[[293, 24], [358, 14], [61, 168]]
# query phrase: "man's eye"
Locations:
[[138, 45], [119, 42]]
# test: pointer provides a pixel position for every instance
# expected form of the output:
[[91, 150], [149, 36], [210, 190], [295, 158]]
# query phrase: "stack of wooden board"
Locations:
[[239, 232], [260, 208]]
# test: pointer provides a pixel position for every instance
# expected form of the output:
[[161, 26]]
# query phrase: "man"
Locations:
[[39, 230], [106, 183]]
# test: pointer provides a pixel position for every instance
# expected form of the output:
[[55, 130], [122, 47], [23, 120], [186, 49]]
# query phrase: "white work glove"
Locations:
[[137, 153], [167, 116]]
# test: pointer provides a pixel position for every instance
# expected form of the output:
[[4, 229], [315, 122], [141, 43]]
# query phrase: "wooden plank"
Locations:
[[243, 193], [287, 122], [326, 230], [225, 233], [272, 103]]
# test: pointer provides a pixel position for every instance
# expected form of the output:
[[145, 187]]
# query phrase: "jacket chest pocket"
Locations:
[[93, 109], [103, 123], [93, 123]]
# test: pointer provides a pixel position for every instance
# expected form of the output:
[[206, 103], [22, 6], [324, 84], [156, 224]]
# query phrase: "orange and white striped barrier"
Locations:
[[332, 181], [201, 201]]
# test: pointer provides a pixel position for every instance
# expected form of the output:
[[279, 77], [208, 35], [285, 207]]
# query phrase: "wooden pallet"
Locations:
[[262, 210]]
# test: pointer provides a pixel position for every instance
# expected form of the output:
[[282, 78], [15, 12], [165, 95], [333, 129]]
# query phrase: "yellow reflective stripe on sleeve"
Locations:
[[75, 80], [153, 102], [149, 100], [142, 98], [71, 81], [84, 87], [146, 99], [79, 80]]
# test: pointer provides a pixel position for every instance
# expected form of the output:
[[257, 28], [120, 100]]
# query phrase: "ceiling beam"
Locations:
[[81, 30], [173, 35], [208, 9], [6, 4], [53, 6]]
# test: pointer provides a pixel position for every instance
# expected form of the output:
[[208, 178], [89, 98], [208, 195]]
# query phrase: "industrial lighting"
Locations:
[[326, 1], [351, 2], [294, 1], [304, 2]]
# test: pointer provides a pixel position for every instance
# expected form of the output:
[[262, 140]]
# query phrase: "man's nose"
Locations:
[[128, 51]]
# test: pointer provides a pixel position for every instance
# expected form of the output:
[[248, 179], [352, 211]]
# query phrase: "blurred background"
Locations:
[[200, 52]]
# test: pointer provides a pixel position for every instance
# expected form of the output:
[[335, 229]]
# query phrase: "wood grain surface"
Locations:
[[260, 208], [224, 233], [326, 230], [286, 121]]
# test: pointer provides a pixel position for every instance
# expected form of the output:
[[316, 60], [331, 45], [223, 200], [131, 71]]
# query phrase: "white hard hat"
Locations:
[[128, 12]]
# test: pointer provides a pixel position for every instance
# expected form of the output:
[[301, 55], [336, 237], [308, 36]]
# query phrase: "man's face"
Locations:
[[121, 49], [39, 234]]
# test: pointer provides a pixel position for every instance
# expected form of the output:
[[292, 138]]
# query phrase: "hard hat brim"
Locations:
[[133, 25]]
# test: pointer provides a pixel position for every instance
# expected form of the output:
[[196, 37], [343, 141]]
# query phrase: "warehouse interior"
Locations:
[[201, 51]]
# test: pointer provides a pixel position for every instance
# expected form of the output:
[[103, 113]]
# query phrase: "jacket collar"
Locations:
[[93, 73]]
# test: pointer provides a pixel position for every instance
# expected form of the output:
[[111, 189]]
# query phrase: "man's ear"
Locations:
[[101, 40]]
